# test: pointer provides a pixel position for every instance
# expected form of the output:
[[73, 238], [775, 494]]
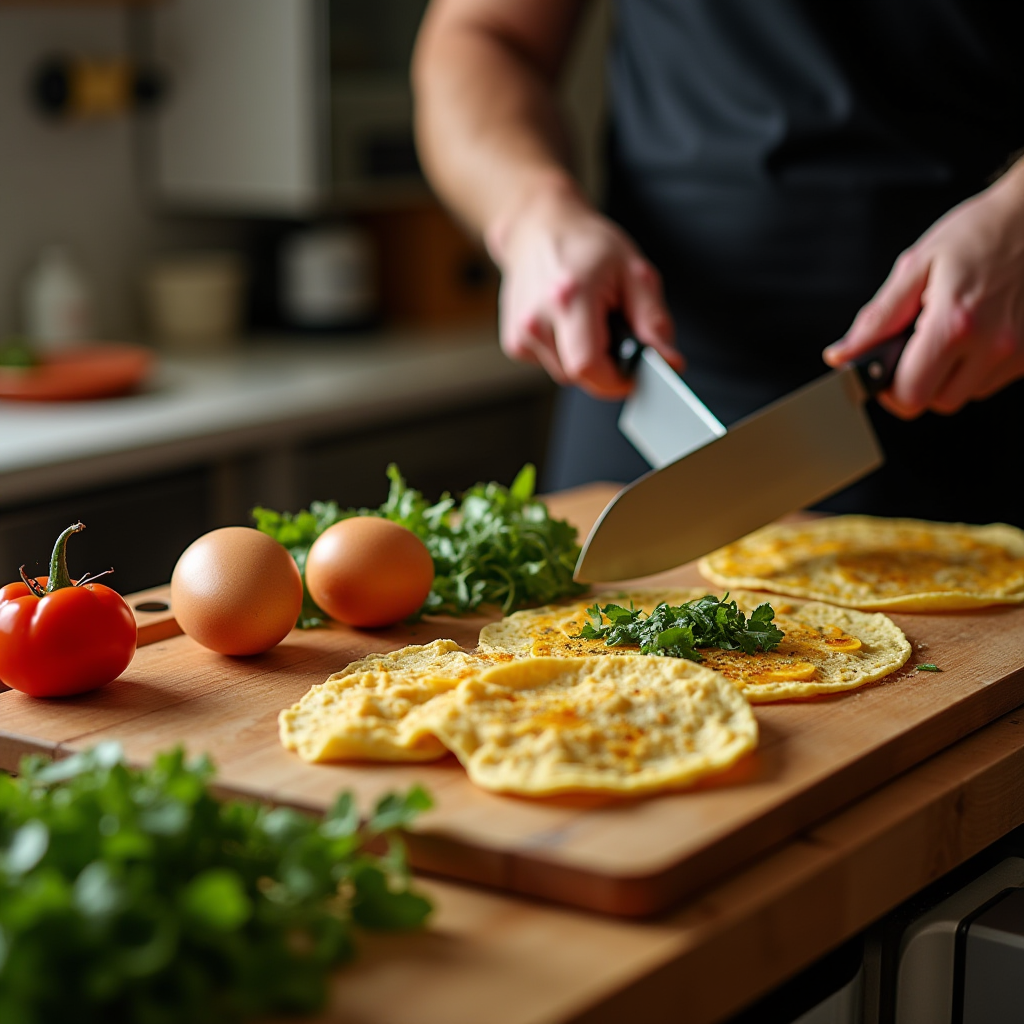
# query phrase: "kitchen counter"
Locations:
[[494, 957], [490, 957], [507, 959], [266, 395]]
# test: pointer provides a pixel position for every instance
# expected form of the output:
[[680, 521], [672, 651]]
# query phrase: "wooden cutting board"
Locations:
[[628, 857]]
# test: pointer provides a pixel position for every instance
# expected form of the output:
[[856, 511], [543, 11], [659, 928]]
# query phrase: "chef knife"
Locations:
[[662, 417], [794, 452]]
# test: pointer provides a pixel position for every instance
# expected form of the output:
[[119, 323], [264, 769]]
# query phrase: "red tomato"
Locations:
[[58, 637], [367, 571]]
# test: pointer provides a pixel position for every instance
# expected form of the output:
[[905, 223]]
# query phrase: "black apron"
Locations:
[[772, 158]]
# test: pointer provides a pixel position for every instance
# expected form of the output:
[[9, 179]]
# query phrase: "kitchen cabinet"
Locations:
[[301, 108], [245, 128], [138, 529], [285, 108], [141, 527]]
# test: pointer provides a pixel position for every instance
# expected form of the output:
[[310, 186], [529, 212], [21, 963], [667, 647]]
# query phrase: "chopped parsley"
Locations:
[[927, 666], [137, 894], [676, 631]]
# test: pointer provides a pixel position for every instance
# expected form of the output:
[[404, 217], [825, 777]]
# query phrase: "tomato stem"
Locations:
[[33, 585], [59, 578], [89, 578]]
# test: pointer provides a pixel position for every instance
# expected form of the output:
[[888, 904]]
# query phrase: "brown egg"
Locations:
[[236, 591], [368, 571]]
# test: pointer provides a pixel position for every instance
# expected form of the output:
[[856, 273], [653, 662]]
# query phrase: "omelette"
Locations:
[[878, 564], [826, 649], [629, 726], [362, 712]]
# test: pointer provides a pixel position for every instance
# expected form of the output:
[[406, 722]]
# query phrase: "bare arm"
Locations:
[[492, 144], [487, 124]]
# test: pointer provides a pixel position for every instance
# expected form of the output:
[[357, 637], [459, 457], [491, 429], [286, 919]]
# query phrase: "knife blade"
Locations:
[[731, 486], [662, 417]]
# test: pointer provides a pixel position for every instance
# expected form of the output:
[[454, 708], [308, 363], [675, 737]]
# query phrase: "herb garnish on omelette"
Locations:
[[677, 631], [826, 649]]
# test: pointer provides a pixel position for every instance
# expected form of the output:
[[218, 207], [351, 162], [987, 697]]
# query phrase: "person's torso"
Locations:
[[774, 156], [791, 92]]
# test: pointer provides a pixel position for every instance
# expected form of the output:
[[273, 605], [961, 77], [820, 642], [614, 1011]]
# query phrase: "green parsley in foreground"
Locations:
[[498, 546], [136, 895], [676, 631]]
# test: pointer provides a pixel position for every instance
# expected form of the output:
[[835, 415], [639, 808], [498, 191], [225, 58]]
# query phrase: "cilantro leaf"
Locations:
[[677, 631]]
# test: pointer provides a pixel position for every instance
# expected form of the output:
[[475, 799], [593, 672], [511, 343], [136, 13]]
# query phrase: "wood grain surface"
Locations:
[[489, 957], [623, 857]]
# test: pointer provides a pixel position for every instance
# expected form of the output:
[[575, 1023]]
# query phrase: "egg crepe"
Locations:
[[873, 563], [826, 649], [609, 725], [361, 712]]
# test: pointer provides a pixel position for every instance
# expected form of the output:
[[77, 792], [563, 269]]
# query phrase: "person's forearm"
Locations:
[[492, 144], [488, 129]]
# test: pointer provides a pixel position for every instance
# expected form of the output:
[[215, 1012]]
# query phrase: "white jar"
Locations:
[[328, 277], [57, 303]]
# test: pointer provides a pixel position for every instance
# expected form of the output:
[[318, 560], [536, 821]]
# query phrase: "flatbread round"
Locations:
[[826, 649], [872, 563], [609, 725], [361, 713]]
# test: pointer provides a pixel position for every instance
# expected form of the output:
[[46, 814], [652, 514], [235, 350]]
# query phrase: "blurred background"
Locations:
[[224, 282]]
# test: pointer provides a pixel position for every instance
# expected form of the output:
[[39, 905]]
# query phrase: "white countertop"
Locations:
[[262, 394]]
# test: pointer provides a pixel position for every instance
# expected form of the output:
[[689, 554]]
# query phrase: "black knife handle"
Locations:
[[623, 345], [877, 367]]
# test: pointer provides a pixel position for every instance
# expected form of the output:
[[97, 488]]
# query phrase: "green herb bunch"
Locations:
[[676, 631], [137, 896], [498, 546], [17, 354]]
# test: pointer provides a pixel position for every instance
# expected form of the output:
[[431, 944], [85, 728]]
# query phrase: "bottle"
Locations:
[[57, 304]]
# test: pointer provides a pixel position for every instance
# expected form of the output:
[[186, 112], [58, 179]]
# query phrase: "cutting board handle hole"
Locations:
[[152, 606]]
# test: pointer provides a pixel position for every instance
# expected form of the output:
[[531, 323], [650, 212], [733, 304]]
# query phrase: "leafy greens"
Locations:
[[17, 354], [676, 631], [136, 895], [498, 546]]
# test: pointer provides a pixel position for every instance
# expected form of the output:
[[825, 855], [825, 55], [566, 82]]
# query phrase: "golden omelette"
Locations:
[[878, 564], [826, 649], [361, 713], [602, 725]]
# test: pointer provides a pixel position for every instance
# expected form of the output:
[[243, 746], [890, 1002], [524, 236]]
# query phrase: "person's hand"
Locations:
[[964, 282], [564, 268]]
